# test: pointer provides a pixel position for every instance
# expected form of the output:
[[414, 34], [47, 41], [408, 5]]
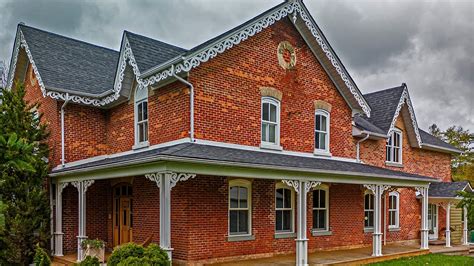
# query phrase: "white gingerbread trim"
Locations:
[[406, 98], [126, 57], [173, 177], [205, 54], [82, 185]]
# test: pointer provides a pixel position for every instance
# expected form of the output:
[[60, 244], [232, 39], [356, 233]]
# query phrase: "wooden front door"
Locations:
[[123, 215]]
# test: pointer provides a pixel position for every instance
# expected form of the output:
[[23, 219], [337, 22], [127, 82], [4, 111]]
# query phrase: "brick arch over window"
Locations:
[[271, 92], [322, 105]]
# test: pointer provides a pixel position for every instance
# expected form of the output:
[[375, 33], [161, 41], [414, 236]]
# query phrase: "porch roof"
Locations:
[[216, 155], [448, 189]]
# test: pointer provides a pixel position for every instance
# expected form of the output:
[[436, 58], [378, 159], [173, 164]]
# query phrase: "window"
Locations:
[[141, 117], [321, 208], [239, 207], [284, 206], [394, 147], [321, 131], [270, 121], [393, 210], [369, 210]]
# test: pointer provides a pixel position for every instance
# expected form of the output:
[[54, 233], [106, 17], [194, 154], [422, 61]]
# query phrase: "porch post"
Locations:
[[58, 233], [81, 189], [165, 182], [301, 188], [424, 217], [448, 224], [378, 191], [464, 231]]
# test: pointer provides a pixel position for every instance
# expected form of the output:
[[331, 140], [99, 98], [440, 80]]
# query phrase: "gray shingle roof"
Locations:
[[384, 105], [150, 52], [232, 155], [447, 189], [69, 64], [427, 138]]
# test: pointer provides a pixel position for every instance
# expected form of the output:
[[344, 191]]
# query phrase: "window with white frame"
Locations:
[[284, 206], [394, 147], [270, 121], [393, 209], [369, 210], [321, 131], [321, 208], [141, 116], [240, 207]]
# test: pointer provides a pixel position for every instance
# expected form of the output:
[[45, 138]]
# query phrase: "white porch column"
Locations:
[[424, 216], [58, 233], [447, 208], [82, 187], [378, 191], [301, 188], [465, 240], [165, 182]]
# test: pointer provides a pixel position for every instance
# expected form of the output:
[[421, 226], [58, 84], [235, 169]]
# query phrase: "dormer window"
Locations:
[[321, 131], [270, 122], [141, 117], [394, 147]]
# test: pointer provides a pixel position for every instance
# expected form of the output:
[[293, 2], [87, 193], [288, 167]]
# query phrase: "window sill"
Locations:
[[322, 153], [321, 233], [368, 230], [285, 235], [238, 238], [394, 229], [141, 145], [269, 146], [394, 164]]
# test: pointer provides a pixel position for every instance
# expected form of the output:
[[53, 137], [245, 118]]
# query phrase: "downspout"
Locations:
[[63, 161], [358, 146], [384, 221], [191, 105]]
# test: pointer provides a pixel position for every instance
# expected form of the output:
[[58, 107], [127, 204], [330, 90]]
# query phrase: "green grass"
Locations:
[[430, 259]]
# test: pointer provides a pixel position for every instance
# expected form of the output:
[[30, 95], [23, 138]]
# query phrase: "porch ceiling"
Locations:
[[213, 160]]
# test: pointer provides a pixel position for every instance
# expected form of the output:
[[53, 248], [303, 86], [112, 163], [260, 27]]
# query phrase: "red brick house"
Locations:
[[232, 149]]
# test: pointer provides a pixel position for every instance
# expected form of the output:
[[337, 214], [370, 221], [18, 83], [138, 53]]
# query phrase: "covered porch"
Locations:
[[190, 169]]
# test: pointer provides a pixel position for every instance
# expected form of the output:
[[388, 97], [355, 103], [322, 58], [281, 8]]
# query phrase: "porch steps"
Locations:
[[393, 256]]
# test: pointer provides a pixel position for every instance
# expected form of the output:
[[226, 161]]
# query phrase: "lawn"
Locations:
[[430, 259]]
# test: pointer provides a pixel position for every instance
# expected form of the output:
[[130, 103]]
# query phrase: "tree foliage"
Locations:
[[462, 166], [23, 172]]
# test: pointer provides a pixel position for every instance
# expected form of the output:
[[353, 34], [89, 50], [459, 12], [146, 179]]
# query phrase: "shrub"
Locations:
[[41, 257], [122, 252], [93, 243], [132, 254], [89, 261]]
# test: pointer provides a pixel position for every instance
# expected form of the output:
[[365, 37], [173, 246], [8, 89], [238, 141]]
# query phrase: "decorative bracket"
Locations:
[[422, 190], [296, 185], [172, 177], [445, 205], [61, 186], [373, 188], [82, 185]]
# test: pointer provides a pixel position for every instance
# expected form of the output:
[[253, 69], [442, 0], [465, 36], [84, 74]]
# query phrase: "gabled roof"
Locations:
[[386, 106], [62, 64], [296, 11], [431, 142], [244, 158], [448, 189], [150, 52]]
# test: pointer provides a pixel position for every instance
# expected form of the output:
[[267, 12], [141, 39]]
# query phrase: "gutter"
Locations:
[[191, 103], [85, 94], [439, 148], [63, 161]]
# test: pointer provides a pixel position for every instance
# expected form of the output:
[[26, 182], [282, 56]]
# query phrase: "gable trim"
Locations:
[[126, 56], [59, 94], [193, 60], [406, 98]]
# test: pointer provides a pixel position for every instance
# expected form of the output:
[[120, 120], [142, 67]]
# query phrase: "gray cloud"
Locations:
[[427, 44]]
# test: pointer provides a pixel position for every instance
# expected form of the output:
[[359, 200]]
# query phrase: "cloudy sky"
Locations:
[[427, 44]]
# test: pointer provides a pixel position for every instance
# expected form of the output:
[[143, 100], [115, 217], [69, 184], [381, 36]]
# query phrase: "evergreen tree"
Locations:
[[23, 173]]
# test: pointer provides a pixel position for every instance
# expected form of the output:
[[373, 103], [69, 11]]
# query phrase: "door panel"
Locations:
[[433, 221], [122, 215]]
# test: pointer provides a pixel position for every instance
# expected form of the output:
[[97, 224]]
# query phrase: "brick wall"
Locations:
[[415, 160], [228, 94]]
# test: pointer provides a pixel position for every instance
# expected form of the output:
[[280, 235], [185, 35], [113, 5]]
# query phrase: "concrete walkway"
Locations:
[[355, 256]]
